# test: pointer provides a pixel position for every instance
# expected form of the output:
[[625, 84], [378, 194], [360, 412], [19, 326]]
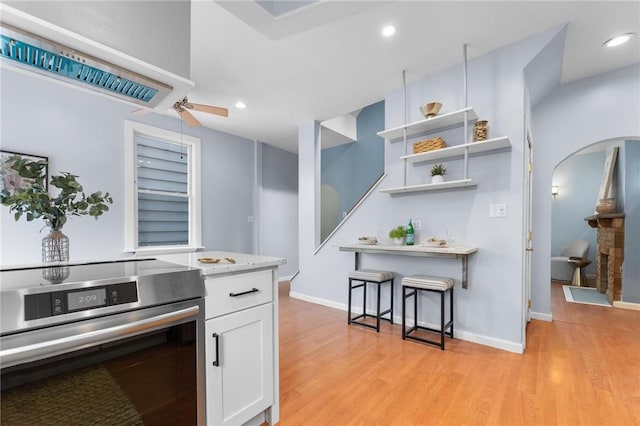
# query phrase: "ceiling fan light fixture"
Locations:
[[241, 105], [183, 107], [618, 40]]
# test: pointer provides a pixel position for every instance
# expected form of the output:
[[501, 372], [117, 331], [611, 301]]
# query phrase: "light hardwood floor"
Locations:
[[581, 369]]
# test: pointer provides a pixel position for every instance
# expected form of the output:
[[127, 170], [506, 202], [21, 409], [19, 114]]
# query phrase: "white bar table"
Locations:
[[462, 253]]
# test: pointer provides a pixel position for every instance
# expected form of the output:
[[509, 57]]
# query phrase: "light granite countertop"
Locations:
[[243, 261]]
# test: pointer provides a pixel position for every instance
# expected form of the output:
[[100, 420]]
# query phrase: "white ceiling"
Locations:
[[329, 58]]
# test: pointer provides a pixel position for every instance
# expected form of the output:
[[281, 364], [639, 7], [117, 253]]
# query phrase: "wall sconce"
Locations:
[[554, 191]]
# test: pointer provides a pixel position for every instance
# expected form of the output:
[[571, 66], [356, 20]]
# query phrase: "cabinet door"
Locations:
[[239, 359]]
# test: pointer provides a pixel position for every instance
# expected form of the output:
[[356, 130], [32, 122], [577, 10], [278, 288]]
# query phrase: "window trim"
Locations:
[[131, 128]]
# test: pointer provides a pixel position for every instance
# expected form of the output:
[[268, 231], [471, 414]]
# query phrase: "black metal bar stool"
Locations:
[[411, 286], [362, 277]]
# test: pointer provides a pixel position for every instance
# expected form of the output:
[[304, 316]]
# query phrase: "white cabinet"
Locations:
[[240, 349], [239, 359], [433, 125]]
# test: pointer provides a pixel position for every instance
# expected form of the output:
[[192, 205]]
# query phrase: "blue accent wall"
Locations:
[[578, 179], [631, 271], [354, 167]]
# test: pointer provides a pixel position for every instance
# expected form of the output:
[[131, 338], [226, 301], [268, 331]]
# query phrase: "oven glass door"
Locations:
[[147, 375]]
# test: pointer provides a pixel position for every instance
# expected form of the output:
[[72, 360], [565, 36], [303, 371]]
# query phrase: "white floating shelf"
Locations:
[[463, 183], [458, 150], [439, 122]]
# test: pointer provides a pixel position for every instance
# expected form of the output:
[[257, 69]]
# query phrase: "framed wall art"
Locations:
[[9, 178]]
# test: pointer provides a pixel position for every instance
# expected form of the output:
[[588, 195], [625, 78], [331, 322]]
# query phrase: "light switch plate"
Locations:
[[498, 210]]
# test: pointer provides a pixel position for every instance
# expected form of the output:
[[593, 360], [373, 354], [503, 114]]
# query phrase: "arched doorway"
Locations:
[[576, 181]]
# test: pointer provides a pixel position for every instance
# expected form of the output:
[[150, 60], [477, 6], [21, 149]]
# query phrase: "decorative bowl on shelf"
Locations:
[[431, 109]]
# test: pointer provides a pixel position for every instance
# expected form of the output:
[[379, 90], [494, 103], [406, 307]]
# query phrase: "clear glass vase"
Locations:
[[55, 247], [55, 274]]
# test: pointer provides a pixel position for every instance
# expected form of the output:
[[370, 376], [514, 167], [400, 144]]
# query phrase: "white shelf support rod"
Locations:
[[404, 132], [466, 113]]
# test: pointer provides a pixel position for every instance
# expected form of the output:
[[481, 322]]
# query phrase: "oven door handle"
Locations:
[[65, 344]]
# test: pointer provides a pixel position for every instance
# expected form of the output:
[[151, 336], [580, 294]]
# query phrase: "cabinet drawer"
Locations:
[[235, 292]]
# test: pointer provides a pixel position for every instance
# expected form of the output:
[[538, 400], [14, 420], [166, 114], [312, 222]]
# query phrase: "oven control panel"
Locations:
[[44, 305]]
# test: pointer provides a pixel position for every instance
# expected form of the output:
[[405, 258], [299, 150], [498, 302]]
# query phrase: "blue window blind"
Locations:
[[163, 192]]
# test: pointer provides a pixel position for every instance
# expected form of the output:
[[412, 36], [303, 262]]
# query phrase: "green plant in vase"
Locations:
[[397, 234], [35, 202], [437, 173]]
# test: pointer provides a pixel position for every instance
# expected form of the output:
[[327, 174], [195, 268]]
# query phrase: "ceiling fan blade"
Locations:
[[210, 109], [189, 118]]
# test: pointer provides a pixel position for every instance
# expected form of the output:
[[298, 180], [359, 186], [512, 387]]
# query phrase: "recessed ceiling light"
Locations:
[[241, 105], [388, 31], [618, 40]]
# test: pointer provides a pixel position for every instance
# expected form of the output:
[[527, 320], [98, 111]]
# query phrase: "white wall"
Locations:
[[278, 217], [575, 115], [83, 134], [490, 311]]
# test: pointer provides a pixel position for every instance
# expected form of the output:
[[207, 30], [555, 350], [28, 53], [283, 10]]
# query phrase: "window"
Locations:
[[162, 193]]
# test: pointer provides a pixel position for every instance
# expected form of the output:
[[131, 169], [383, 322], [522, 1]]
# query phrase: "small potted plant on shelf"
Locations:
[[437, 173], [397, 234]]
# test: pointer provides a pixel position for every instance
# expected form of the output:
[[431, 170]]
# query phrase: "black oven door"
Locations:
[[139, 367]]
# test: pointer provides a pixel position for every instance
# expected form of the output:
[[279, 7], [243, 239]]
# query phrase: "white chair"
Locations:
[[561, 268]]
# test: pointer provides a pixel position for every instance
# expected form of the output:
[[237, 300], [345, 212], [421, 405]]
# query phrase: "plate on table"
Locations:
[[435, 242], [368, 240]]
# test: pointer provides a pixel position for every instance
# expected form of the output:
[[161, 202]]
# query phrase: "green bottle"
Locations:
[[410, 233]]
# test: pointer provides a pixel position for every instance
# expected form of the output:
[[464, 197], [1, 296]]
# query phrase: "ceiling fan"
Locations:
[[183, 106]]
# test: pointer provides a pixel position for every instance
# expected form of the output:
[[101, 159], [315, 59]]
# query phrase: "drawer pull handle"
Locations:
[[253, 290], [216, 363]]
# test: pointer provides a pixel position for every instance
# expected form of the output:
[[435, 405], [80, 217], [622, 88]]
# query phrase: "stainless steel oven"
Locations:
[[117, 343]]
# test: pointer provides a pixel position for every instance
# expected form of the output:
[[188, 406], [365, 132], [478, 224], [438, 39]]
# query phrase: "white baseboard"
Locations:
[[318, 301], [505, 345], [397, 319], [626, 305], [540, 316]]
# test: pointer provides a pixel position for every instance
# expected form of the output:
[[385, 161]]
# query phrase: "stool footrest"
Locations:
[[433, 330], [365, 316], [420, 339]]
